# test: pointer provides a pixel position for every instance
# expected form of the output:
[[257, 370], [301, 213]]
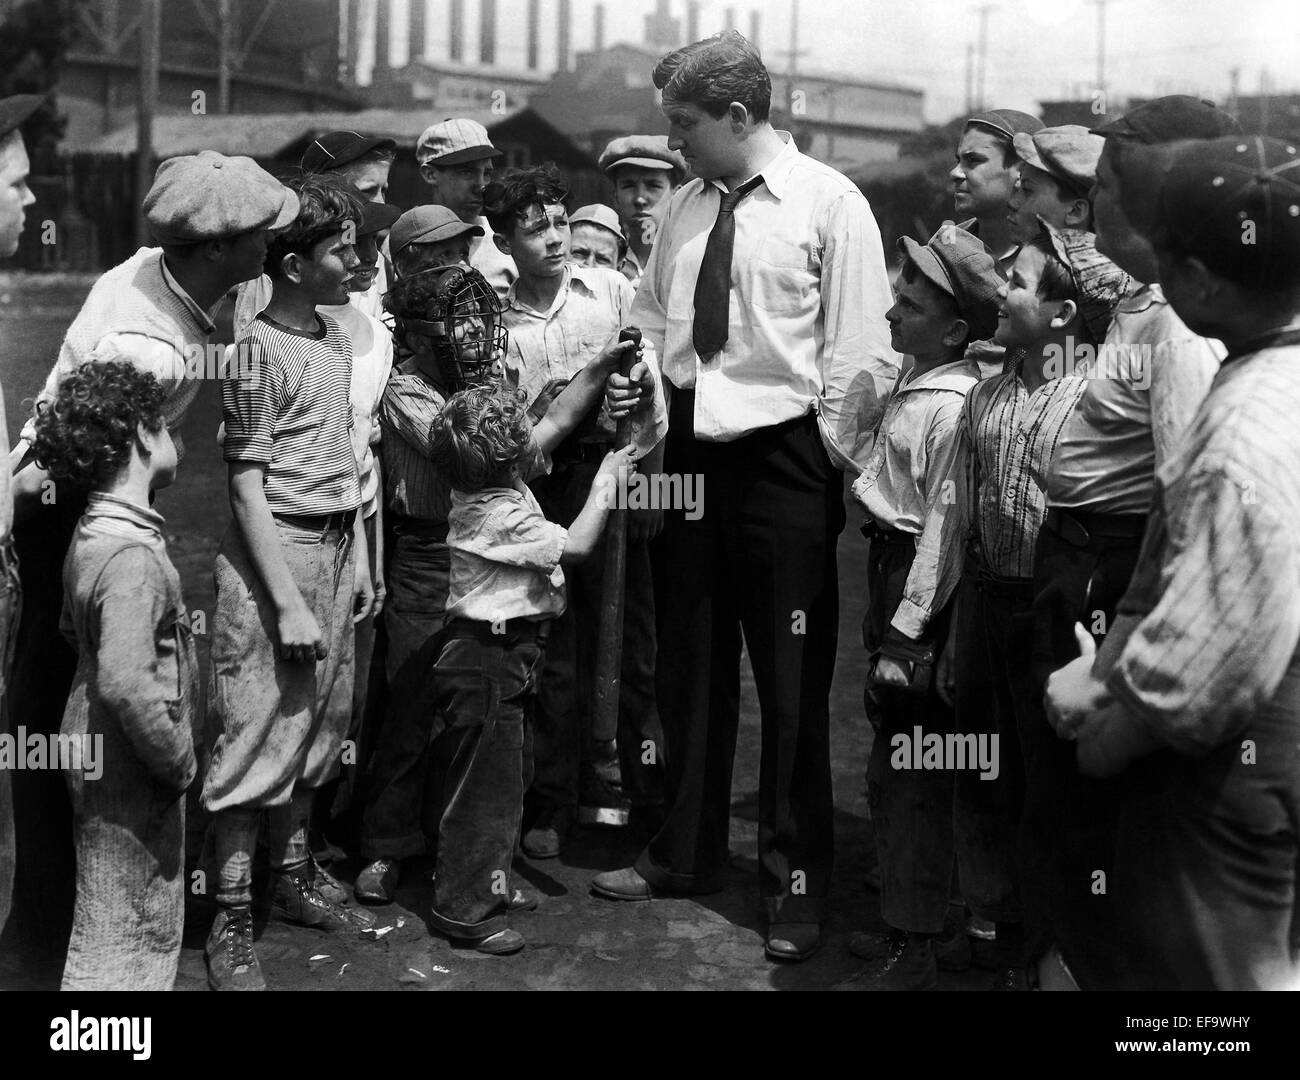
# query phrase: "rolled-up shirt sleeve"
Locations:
[[1216, 643], [858, 365]]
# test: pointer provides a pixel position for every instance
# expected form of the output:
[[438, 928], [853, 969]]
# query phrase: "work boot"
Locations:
[[546, 839], [377, 883], [232, 960], [868, 946], [326, 883], [913, 967], [296, 899]]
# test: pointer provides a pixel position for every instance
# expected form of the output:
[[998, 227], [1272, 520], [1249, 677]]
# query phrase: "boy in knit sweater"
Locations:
[[292, 576]]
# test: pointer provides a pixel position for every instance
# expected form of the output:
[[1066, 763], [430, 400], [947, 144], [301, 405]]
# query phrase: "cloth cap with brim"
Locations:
[[454, 142], [339, 148], [644, 151], [1169, 118], [377, 216], [428, 225], [207, 196], [1068, 153], [15, 110], [959, 264], [1006, 122], [598, 214], [1099, 284], [1234, 203]]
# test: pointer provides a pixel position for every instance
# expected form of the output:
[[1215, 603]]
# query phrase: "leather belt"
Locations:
[[1083, 528], [321, 523], [510, 632]]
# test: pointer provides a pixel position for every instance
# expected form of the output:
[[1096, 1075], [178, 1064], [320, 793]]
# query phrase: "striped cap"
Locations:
[[453, 142]]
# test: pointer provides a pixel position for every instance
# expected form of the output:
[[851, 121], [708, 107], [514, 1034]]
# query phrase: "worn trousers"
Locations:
[[414, 620], [760, 557], [994, 678], [911, 809], [486, 686], [1068, 831]]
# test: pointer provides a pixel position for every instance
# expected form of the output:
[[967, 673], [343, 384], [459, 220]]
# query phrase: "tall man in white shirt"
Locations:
[[765, 296]]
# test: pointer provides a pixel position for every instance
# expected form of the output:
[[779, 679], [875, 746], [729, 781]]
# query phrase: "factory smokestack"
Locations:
[[487, 38], [456, 31], [534, 33], [415, 42], [563, 36]]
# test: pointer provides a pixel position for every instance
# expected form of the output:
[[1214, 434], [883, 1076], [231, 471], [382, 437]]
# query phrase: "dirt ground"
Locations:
[[574, 940]]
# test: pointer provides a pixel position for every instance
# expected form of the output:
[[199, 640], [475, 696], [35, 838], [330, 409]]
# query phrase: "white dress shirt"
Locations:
[[809, 291]]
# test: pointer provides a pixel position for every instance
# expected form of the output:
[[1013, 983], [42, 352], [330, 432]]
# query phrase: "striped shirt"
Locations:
[[293, 414], [413, 488], [1008, 437], [1217, 586]]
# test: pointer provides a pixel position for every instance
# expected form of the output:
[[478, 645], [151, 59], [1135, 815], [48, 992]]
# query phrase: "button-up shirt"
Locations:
[[554, 345], [1008, 437], [809, 291], [1149, 376], [911, 479], [1217, 582], [490, 261], [505, 556]]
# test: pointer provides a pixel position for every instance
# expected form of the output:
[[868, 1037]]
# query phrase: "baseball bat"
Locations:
[[609, 652]]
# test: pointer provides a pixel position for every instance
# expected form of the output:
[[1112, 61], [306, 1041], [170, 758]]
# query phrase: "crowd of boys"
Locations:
[[1069, 420]]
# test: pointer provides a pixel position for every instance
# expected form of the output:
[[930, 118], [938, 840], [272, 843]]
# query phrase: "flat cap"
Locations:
[[959, 263], [598, 214], [15, 110], [377, 216], [1234, 203], [1166, 119], [339, 148], [453, 142], [1068, 153], [428, 225], [646, 151], [207, 195], [1007, 122], [1098, 283]]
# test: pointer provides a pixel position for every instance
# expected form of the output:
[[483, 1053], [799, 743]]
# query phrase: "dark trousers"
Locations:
[[486, 684], [565, 700], [761, 557], [994, 683], [45, 884], [414, 620], [911, 809], [1068, 830], [1205, 881]]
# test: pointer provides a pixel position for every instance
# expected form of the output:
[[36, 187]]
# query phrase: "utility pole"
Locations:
[[1234, 84], [223, 56], [150, 33], [792, 56], [1101, 46], [1264, 88], [970, 78], [984, 10]]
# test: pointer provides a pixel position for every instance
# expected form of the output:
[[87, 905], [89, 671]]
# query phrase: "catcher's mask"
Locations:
[[458, 313]]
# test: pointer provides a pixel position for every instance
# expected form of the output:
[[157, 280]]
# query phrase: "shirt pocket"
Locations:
[[781, 279]]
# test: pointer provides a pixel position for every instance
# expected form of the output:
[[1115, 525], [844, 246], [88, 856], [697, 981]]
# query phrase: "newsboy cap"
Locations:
[[1099, 284], [338, 148], [428, 225], [1166, 119], [207, 195], [645, 151], [454, 142], [959, 264], [1234, 203], [598, 214], [1006, 122], [1068, 153]]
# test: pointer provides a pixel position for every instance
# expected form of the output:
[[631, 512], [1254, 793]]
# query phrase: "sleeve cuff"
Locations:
[[910, 620]]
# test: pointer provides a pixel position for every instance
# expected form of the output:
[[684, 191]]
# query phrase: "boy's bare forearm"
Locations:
[[573, 403], [257, 526], [584, 533]]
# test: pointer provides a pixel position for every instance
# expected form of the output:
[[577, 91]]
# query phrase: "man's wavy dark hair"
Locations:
[[84, 435], [509, 197], [715, 72]]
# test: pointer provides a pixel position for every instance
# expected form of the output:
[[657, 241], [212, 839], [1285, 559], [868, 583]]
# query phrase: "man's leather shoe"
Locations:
[[502, 943], [792, 941], [377, 883], [625, 884], [868, 946], [523, 900], [546, 838]]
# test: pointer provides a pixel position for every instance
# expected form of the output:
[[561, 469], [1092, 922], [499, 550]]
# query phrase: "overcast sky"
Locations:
[[1036, 48]]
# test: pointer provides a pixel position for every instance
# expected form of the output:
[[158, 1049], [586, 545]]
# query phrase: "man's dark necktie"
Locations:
[[713, 286]]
